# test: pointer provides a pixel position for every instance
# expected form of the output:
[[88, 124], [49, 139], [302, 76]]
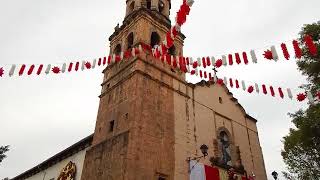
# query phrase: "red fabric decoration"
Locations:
[[185, 60], [77, 66], [127, 54], [220, 81], [245, 58], [118, 58], [237, 84], [174, 62], [71, 64], [210, 77], [204, 62], [205, 75], [174, 32], [188, 62], [180, 62], [200, 73], [311, 46], [250, 89], [195, 65], [99, 62], [231, 82], [268, 55], [109, 59], [301, 97], [285, 51], [193, 72], [208, 61], [169, 40], [31, 70], [184, 68], [211, 172], [264, 88], [238, 60], [40, 69], [56, 70], [146, 47], [272, 91], [104, 60], [182, 14], [281, 93], [297, 49], [23, 67], [87, 65], [219, 63], [230, 59], [1, 71]]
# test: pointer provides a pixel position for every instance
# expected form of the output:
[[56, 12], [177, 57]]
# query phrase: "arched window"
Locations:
[[172, 50], [130, 40], [148, 4], [117, 50], [224, 141], [155, 39], [161, 7], [131, 6]]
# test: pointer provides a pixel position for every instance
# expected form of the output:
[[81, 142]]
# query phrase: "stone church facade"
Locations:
[[151, 120]]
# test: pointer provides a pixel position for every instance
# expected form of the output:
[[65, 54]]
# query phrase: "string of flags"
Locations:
[[69, 67], [246, 57], [173, 32], [259, 88], [177, 62], [161, 50]]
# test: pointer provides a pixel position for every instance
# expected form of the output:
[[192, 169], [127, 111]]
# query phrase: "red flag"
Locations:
[[230, 59], [238, 60], [77, 66], [281, 93], [231, 82], [245, 58], [40, 69], [285, 51], [264, 88], [272, 91], [31, 70], [297, 49], [70, 67], [23, 67]]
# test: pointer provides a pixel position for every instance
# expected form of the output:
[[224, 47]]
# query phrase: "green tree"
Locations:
[[301, 151], [3, 150]]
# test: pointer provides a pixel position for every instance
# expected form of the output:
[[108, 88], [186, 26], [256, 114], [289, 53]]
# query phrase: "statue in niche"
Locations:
[[225, 148]]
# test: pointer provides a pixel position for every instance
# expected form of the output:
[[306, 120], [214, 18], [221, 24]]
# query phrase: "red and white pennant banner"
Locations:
[[59, 68], [269, 54], [174, 30], [258, 88]]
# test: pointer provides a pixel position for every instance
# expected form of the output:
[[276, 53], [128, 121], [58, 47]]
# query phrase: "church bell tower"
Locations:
[[134, 133]]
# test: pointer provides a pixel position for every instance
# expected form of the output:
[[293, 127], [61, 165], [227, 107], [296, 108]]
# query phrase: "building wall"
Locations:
[[53, 172], [198, 117]]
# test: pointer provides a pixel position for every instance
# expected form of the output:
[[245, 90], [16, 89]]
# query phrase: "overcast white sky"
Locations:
[[43, 115]]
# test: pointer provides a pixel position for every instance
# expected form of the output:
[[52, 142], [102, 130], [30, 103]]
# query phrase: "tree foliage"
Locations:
[[301, 151], [3, 150], [310, 65]]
